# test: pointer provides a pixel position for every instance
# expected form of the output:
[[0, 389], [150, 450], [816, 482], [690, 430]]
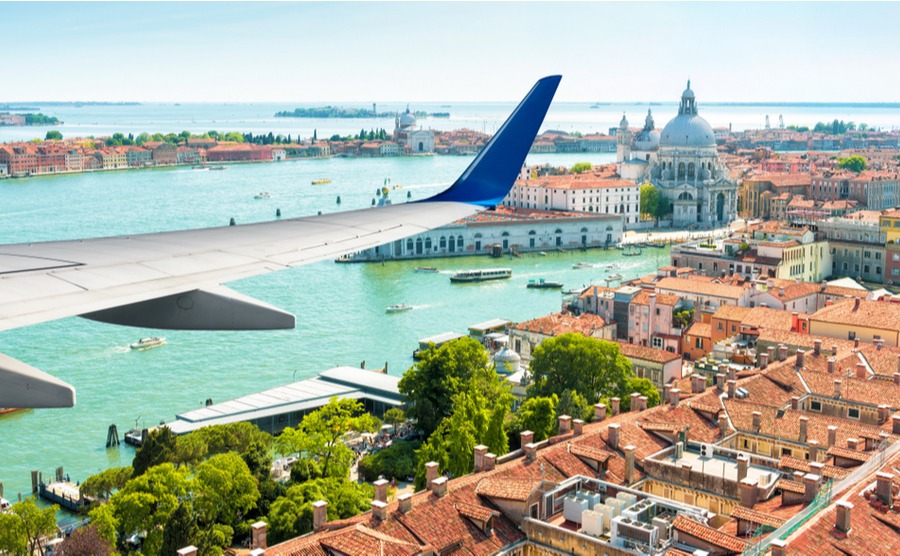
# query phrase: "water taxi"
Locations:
[[427, 269], [482, 275], [542, 284], [321, 181], [262, 195], [398, 308], [218, 167], [147, 343], [614, 277], [582, 265]]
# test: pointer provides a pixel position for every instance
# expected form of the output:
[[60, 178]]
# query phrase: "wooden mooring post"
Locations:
[[112, 436]]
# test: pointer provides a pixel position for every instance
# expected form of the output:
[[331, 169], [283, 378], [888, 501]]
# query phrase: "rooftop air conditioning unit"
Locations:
[[706, 450]]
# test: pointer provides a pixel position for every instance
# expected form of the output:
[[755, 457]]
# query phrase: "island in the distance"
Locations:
[[28, 119], [341, 112]]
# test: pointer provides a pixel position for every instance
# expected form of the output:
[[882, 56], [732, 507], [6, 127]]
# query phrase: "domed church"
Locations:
[[682, 162]]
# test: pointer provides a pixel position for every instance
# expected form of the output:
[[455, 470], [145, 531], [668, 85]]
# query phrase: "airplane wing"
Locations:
[[172, 280]]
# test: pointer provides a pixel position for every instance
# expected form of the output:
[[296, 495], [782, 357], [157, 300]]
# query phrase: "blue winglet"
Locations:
[[489, 177]]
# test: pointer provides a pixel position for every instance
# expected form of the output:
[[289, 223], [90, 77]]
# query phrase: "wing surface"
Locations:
[[173, 279]]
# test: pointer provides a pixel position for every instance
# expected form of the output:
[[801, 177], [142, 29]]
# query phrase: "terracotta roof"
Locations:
[[589, 452], [845, 292], [643, 298], [872, 391], [796, 464], [731, 312], [861, 312], [507, 489], [474, 511], [847, 453], [790, 486], [764, 317], [759, 518], [560, 323], [633, 351], [687, 285], [708, 534]]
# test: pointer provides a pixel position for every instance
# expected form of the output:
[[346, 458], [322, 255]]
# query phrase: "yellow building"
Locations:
[[858, 319]]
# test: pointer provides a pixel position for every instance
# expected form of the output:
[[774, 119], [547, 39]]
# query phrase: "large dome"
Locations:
[[407, 119], [687, 129]]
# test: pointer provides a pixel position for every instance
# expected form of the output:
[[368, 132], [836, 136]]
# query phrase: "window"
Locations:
[[720, 326], [851, 335], [815, 406], [657, 343], [787, 452], [699, 343], [852, 413]]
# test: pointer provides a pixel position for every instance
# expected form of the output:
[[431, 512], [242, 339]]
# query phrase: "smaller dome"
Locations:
[[507, 361], [688, 93], [623, 124], [646, 140]]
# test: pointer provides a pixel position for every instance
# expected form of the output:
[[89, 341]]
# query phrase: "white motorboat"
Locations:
[[262, 195], [147, 343], [398, 308]]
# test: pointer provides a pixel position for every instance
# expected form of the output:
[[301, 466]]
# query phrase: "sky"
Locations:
[[457, 51]]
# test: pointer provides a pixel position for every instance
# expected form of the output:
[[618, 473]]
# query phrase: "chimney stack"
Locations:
[[614, 405], [381, 487], [642, 403], [804, 427], [884, 483], [479, 452], [842, 523], [629, 464], [723, 424], [748, 492], [405, 501], [817, 347], [686, 473], [837, 388], [832, 435], [732, 387], [612, 432], [772, 355], [853, 444], [831, 363], [811, 484], [884, 411], [635, 405], [897, 378], [743, 464], [431, 473], [861, 371], [800, 357], [698, 383], [565, 424], [439, 486], [782, 352], [320, 514], [490, 461], [526, 437], [795, 403], [379, 509], [779, 547], [763, 360], [895, 425], [599, 412], [530, 452], [720, 382], [578, 426], [757, 421], [834, 350], [674, 397], [813, 450], [258, 535]]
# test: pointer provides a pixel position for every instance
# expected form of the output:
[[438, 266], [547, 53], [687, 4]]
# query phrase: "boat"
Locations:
[[262, 195], [633, 252], [218, 167], [542, 253], [612, 266], [147, 343], [200, 167], [582, 265], [427, 269], [614, 277], [575, 291], [542, 284], [4, 505], [398, 308], [5, 410], [321, 181], [482, 275]]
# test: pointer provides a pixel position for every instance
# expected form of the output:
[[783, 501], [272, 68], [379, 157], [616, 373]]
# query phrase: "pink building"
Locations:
[[650, 321]]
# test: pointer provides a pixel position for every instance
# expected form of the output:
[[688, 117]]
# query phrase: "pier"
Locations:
[[284, 406]]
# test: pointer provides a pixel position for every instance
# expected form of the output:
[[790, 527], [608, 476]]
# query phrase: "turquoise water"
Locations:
[[339, 307]]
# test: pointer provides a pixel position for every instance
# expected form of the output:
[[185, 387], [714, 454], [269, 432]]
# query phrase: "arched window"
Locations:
[[505, 234], [690, 170], [428, 243], [409, 245], [681, 169], [584, 230], [558, 231], [443, 242], [532, 233], [459, 242]]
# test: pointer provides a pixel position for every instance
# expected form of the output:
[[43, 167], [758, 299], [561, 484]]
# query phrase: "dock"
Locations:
[[65, 493], [285, 406]]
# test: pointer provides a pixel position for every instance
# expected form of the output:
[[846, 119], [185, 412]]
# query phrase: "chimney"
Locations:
[[800, 357], [879, 343], [490, 461], [439, 486], [381, 487], [884, 411], [530, 452], [614, 405], [674, 397], [599, 412], [379, 508], [795, 403], [732, 386], [723, 424], [578, 425], [817, 347], [635, 406], [813, 450], [743, 464], [720, 382], [831, 363], [884, 483], [748, 492], [431, 473], [642, 403], [686, 473], [698, 383], [730, 372], [405, 501], [811, 484], [479, 452], [855, 303], [629, 464], [861, 371], [320, 514], [526, 437], [757, 421], [187, 551], [895, 425], [832, 435], [612, 432], [897, 378], [837, 388], [779, 547], [834, 349], [565, 424], [258, 535], [842, 523], [763, 360], [853, 444], [782, 352], [771, 351], [856, 341], [804, 427]]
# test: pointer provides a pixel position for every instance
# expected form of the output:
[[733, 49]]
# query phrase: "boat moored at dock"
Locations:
[[482, 275]]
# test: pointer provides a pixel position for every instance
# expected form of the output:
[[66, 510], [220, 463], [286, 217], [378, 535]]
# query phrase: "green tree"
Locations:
[[157, 448], [234, 136], [854, 163], [431, 384], [649, 200], [574, 405], [581, 167], [234, 437], [53, 135], [394, 416], [142, 138], [24, 525], [259, 460], [291, 514], [224, 490], [664, 208], [104, 519], [642, 386], [589, 366], [181, 530], [397, 461], [319, 435], [538, 415], [103, 484], [684, 317]]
